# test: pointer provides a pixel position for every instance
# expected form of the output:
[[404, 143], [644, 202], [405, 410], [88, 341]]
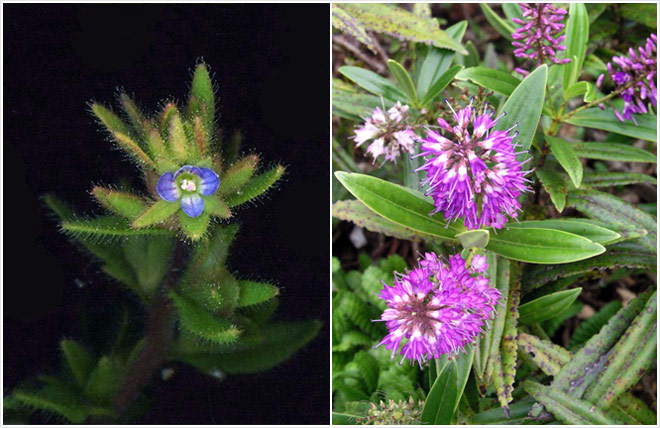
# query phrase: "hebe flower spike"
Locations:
[[183, 168]]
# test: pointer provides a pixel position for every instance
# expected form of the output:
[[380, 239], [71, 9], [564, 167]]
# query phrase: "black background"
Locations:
[[271, 64]]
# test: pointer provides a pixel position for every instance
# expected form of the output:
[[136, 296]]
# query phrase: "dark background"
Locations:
[[271, 64]]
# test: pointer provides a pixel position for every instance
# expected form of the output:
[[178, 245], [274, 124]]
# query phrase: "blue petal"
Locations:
[[192, 205], [209, 181], [167, 188], [187, 168]]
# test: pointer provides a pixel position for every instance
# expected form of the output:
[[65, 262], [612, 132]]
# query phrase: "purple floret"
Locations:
[[188, 184]]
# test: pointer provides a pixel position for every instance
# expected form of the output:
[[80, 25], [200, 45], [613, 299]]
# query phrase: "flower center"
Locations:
[[188, 185]]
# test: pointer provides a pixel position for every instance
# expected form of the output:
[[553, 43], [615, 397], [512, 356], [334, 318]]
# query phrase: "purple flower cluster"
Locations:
[[473, 174], [636, 73], [437, 308], [389, 131], [535, 40]]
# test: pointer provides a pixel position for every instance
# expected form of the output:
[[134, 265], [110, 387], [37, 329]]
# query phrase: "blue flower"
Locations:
[[188, 184]]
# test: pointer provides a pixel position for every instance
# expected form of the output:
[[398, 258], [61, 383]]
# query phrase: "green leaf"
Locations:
[[211, 253], [104, 381], [132, 148], [343, 21], [555, 185], [256, 186], [437, 60], [440, 84], [502, 26], [253, 292], [567, 158], [373, 83], [356, 212], [156, 214], [439, 405], [646, 128], [464, 367], [576, 226], [611, 179], [178, 141], [474, 238], [548, 356], [150, 259], [368, 366], [501, 272], [134, 114], [524, 106], [79, 360], [111, 121], [592, 325], [399, 204], [197, 320], [489, 78], [194, 227], [400, 23], [238, 174], [55, 399], [216, 207], [509, 343], [353, 106], [202, 98], [403, 79], [124, 204], [547, 307], [498, 416], [613, 152], [577, 35], [106, 227], [644, 13], [274, 344], [613, 210], [543, 246], [580, 88]]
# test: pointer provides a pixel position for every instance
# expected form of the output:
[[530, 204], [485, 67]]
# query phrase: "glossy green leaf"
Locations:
[[356, 212], [256, 186], [512, 10], [543, 246], [197, 320], [646, 128], [611, 179], [399, 204], [547, 307], [463, 369], [403, 79], [613, 152], [437, 60], [576, 226], [156, 213], [501, 268], [567, 158], [373, 83], [400, 23], [474, 238], [502, 26], [581, 88], [354, 106], [495, 80], [343, 21], [577, 35], [79, 360], [555, 185], [524, 106], [253, 292], [440, 85], [439, 405]]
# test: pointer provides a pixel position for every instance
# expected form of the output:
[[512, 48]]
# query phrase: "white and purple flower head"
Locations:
[[638, 71], [437, 308], [188, 185], [473, 174], [535, 40], [389, 131]]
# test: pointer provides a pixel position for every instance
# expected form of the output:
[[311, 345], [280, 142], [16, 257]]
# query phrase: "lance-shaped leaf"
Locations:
[[150, 259], [238, 174], [201, 101], [194, 228], [122, 203], [373, 83], [463, 369], [197, 320], [474, 238], [567, 158], [437, 61], [523, 108], [489, 78], [256, 186], [356, 212], [556, 186], [549, 357], [176, 136], [127, 144], [613, 210], [502, 26], [108, 227], [157, 213], [517, 413], [509, 345], [576, 226], [403, 79], [211, 253], [272, 345], [215, 206], [633, 350], [399, 204], [135, 116], [611, 179], [493, 337], [568, 409], [592, 325], [55, 399], [400, 23], [354, 106], [111, 121], [580, 88], [158, 151], [646, 128], [547, 307], [253, 292], [104, 381], [577, 35], [440, 84], [343, 21], [79, 360], [613, 152], [543, 246], [439, 405]]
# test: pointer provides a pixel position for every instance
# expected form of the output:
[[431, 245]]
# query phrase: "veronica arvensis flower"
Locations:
[[473, 173], [389, 132], [438, 308], [188, 185]]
